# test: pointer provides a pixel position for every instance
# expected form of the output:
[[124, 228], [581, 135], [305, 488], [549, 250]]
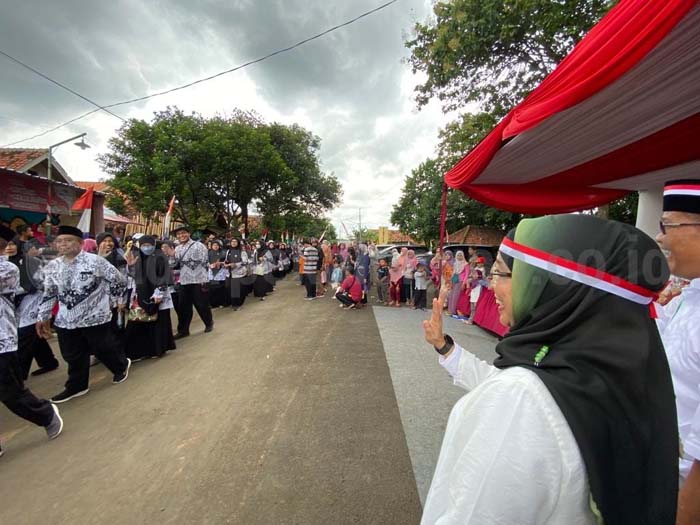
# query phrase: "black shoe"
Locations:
[[180, 336], [67, 396], [45, 370], [209, 329], [120, 378]]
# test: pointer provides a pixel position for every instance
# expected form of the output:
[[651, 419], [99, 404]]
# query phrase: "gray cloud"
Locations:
[[341, 84]]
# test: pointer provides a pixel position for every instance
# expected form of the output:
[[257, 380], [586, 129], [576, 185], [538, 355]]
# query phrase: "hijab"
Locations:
[[411, 260], [215, 255], [395, 273], [394, 256], [605, 365], [234, 252], [151, 272], [114, 258], [460, 262]]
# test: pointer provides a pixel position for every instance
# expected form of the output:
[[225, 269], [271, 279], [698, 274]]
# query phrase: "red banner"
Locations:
[[29, 193]]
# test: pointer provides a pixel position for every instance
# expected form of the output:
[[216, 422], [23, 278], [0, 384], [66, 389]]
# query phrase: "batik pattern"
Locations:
[[9, 281], [85, 288], [193, 257]]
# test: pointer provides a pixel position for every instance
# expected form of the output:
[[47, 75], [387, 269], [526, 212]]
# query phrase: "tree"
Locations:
[[218, 168], [366, 235], [300, 224], [495, 52]]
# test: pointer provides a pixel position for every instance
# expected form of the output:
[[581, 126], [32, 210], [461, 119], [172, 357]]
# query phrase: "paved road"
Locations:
[[286, 413]]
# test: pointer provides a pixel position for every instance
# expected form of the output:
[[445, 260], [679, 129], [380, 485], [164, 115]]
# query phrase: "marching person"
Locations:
[[84, 285], [27, 298], [13, 394], [679, 325], [192, 258]]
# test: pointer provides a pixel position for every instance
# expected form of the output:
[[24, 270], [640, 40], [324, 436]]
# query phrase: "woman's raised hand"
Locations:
[[433, 326]]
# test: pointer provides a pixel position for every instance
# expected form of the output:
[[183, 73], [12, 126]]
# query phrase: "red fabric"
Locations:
[[352, 285], [538, 200], [486, 315], [615, 45], [85, 201]]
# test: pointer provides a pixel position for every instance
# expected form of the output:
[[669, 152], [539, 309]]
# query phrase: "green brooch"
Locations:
[[541, 354]]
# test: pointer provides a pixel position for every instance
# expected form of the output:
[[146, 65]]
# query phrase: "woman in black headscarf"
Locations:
[[218, 296], [237, 264], [151, 334], [27, 298], [575, 423]]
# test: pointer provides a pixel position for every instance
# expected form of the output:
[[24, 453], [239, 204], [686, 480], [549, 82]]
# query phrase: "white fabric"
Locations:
[[574, 275], [193, 257], [9, 281], [508, 456], [474, 294], [28, 309], [679, 325], [691, 193], [661, 90]]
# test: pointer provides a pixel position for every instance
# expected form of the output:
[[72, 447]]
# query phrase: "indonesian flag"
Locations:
[[84, 204], [264, 234], [168, 218]]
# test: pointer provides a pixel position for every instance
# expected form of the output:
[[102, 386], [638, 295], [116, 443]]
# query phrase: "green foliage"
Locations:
[[300, 224], [418, 210], [218, 168], [366, 235], [624, 209], [490, 53], [494, 52]]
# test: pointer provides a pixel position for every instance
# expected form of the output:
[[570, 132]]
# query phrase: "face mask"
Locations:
[[148, 249], [257, 246]]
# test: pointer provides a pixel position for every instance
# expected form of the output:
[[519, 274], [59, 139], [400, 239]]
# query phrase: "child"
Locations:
[[336, 276], [395, 284], [421, 285], [382, 281], [475, 284]]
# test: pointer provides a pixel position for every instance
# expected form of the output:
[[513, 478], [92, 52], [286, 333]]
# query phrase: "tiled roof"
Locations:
[[17, 158], [477, 236], [102, 187]]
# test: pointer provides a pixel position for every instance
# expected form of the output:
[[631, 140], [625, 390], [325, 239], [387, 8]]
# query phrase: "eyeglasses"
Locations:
[[495, 275], [663, 225]]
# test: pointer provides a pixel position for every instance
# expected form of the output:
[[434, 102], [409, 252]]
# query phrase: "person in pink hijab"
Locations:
[[90, 246]]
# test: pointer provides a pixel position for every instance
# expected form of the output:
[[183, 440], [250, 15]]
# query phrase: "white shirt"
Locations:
[[508, 456], [85, 289], [193, 257], [679, 325], [9, 281]]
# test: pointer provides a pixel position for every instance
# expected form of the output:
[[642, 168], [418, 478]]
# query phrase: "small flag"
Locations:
[[168, 218], [84, 203]]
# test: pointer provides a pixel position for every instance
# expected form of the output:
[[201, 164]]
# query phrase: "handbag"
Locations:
[[137, 314]]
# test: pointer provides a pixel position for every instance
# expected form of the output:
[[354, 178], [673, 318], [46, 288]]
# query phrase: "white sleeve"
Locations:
[[691, 444], [466, 369], [500, 460]]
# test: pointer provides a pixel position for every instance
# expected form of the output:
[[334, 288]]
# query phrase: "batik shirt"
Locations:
[[9, 281], [193, 257], [84, 289]]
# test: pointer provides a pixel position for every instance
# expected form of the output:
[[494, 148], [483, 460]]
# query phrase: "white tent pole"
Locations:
[[649, 210]]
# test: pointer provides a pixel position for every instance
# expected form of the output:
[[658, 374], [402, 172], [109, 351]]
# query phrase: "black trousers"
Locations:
[[310, 283], [345, 299], [76, 346], [197, 295], [30, 347], [419, 298], [16, 397]]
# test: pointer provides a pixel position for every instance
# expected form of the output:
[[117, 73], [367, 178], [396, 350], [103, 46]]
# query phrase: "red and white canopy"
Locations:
[[620, 113]]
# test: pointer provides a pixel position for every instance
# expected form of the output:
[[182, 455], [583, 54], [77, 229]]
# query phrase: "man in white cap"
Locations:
[[679, 325], [13, 394], [85, 285]]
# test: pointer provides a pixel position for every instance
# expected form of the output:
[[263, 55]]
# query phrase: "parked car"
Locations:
[[386, 252]]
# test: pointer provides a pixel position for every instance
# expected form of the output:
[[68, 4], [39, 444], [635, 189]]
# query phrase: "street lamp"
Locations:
[[82, 145]]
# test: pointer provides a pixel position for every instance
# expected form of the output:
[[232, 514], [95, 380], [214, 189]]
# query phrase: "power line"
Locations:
[[205, 79], [63, 86]]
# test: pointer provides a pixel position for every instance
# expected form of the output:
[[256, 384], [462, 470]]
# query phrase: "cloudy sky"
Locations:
[[350, 87]]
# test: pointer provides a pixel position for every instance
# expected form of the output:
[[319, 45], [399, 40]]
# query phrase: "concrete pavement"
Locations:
[[289, 412]]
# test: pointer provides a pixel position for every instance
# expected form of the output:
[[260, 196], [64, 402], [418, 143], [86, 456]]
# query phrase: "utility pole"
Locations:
[[359, 227]]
